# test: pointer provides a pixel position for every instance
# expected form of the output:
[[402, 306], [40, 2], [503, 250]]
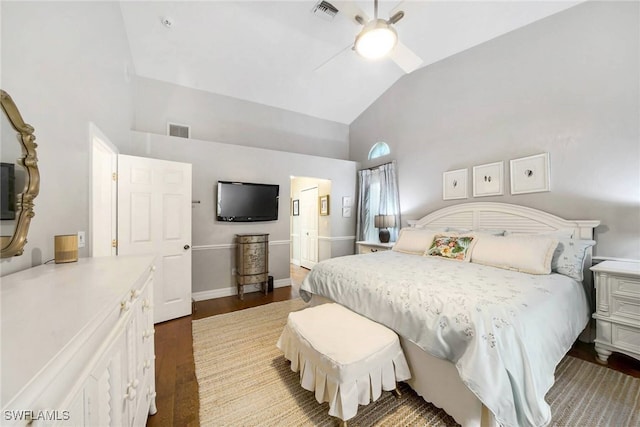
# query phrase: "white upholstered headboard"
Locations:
[[515, 219]]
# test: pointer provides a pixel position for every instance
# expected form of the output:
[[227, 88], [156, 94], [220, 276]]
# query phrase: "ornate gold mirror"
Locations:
[[20, 178]]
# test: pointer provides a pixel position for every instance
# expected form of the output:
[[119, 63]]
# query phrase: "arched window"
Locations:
[[379, 149]]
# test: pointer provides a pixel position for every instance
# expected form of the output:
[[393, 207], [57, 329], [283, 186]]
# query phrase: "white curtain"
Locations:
[[377, 195]]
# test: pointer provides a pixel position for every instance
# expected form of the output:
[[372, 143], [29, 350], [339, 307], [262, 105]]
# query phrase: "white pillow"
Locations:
[[569, 256], [414, 240], [562, 233], [522, 253]]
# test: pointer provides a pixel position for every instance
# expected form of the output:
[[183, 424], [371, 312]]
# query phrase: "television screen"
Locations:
[[247, 202], [7, 191]]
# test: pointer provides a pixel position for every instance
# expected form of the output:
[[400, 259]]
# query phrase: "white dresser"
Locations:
[[78, 343], [617, 308]]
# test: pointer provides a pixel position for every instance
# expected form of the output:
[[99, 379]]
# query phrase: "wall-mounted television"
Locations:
[[247, 202], [7, 191]]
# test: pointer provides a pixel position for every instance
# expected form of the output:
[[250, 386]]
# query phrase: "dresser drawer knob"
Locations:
[[125, 305], [131, 393]]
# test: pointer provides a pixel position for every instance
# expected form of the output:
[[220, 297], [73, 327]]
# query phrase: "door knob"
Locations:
[[186, 247]]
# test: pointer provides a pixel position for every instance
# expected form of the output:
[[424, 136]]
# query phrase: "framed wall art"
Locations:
[[530, 174], [324, 205], [488, 179], [454, 184]]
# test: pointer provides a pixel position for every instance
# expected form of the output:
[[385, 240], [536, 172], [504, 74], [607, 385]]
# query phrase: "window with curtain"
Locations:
[[377, 195]]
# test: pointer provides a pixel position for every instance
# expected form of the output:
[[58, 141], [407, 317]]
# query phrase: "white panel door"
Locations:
[[309, 227], [154, 217]]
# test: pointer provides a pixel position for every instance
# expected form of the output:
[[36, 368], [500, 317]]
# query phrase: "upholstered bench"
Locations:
[[345, 358]]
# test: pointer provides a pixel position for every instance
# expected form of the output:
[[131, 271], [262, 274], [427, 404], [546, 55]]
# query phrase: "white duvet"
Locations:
[[505, 331]]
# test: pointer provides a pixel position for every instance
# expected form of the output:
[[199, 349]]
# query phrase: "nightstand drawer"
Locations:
[[626, 337], [364, 249], [625, 286], [625, 307]]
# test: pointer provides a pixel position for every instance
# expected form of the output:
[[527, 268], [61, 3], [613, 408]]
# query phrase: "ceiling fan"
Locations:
[[378, 38]]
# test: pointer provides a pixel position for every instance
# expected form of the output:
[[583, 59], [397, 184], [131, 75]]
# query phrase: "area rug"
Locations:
[[245, 381]]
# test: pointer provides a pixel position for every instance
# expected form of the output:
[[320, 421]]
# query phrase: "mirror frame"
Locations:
[[14, 245]]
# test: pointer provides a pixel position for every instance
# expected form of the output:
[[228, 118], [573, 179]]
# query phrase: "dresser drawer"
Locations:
[[253, 279]]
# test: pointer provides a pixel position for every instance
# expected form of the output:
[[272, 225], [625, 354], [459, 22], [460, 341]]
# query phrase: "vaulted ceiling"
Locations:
[[282, 54]]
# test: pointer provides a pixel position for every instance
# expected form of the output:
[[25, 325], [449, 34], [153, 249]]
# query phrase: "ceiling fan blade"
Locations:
[[405, 58], [350, 10], [350, 45], [395, 9]]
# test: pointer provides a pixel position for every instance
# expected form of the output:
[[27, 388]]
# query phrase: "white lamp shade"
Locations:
[[384, 221], [376, 39]]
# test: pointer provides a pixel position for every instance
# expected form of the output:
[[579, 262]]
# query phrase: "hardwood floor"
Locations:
[[176, 385]]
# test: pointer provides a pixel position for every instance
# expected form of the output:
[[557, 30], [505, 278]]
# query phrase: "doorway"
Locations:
[[103, 215], [310, 241]]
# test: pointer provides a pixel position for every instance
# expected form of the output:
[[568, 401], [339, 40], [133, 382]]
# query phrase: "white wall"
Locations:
[[64, 65], [220, 118], [213, 255], [567, 85]]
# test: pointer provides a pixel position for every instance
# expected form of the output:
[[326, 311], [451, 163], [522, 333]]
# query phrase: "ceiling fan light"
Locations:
[[376, 39]]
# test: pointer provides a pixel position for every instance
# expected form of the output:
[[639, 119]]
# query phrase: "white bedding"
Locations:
[[505, 331]]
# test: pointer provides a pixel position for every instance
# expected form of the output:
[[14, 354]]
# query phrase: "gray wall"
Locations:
[[213, 255], [64, 64], [220, 118], [567, 85]]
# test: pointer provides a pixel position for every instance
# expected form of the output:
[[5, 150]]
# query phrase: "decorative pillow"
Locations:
[[457, 248], [413, 240], [522, 253], [569, 256]]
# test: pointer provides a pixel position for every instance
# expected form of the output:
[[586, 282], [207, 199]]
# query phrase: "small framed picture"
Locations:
[[488, 179], [530, 174], [324, 205], [295, 207], [454, 184]]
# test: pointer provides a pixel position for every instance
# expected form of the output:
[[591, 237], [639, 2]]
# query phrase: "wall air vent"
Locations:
[[181, 131], [325, 10]]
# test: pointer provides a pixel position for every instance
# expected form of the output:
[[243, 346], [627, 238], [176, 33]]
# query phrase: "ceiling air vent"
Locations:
[[181, 131], [325, 10]]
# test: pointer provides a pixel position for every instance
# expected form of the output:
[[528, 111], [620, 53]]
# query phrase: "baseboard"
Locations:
[[230, 291]]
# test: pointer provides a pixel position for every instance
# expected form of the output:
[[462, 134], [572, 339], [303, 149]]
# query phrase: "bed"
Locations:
[[482, 342]]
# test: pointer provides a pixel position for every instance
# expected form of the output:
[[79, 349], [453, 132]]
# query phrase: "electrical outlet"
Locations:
[[81, 241]]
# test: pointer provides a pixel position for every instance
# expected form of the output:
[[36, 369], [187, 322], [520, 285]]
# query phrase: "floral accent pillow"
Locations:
[[569, 256], [457, 248]]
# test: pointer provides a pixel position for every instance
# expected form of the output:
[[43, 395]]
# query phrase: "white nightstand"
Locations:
[[617, 308], [364, 247]]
